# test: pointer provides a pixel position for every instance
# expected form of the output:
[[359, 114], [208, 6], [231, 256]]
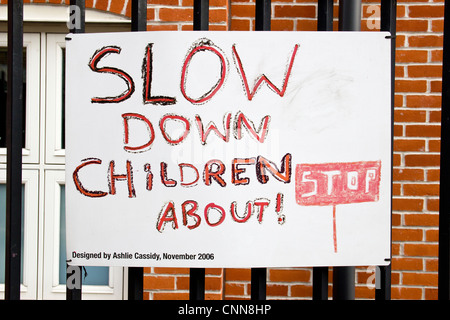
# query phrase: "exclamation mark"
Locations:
[[279, 209]]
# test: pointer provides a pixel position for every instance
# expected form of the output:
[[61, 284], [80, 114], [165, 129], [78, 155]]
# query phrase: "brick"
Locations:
[[432, 204], [101, 5], [423, 130], [410, 85], [234, 289], [435, 116], [243, 10], [420, 279], [431, 294], [421, 189], [437, 55], [409, 145], [172, 14], [406, 204], [159, 282], [306, 25], [277, 290], [237, 274], [409, 264], [402, 115], [422, 101], [412, 25], [162, 27], [436, 11], [421, 250], [217, 15], [437, 25], [182, 283], [182, 271], [406, 293], [407, 234], [176, 295], [300, 11], [280, 275], [425, 41], [422, 160], [403, 56], [433, 175], [163, 2], [117, 6], [240, 24], [301, 291], [436, 86], [421, 71], [425, 220], [213, 283], [408, 174], [432, 236]]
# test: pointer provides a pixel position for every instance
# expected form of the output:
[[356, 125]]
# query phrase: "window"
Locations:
[[43, 230]]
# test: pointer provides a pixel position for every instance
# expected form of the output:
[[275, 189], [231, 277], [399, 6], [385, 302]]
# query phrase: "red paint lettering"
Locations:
[[162, 126], [191, 213], [79, 185], [212, 127], [193, 182], [263, 128], [164, 217], [236, 170], [263, 78], [112, 177], [126, 117], [205, 46], [215, 207], [209, 174], [283, 175], [98, 55], [147, 69]]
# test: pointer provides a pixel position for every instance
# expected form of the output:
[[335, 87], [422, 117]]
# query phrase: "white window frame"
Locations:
[[31, 41], [54, 153], [28, 288], [52, 288]]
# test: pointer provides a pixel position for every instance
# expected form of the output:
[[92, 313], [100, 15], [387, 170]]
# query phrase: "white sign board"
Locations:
[[228, 149]]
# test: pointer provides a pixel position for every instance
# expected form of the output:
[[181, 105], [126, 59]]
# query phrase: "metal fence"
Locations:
[[343, 277]]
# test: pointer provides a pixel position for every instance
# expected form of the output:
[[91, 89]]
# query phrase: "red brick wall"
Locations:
[[416, 145]]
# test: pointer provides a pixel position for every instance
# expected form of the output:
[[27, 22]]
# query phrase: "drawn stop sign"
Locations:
[[330, 184]]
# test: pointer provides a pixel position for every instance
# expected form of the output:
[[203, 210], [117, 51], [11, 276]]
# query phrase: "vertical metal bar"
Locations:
[[344, 277], [349, 15], [201, 15], [139, 15], [259, 275], [197, 284], [258, 284], [77, 20], [383, 278], [197, 275], [325, 15], [388, 23], [136, 274], [320, 274], [135, 283], [320, 283], [344, 283], [14, 151], [77, 16], [263, 15], [444, 197]]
